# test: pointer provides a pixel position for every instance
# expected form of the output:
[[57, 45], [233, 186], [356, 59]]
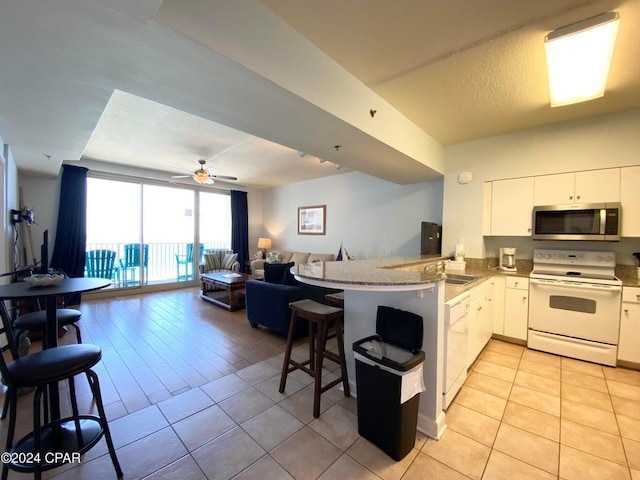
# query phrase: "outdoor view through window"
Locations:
[[139, 233]]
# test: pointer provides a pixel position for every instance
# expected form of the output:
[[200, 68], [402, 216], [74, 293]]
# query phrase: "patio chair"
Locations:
[[131, 262], [187, 261], [100, 264]]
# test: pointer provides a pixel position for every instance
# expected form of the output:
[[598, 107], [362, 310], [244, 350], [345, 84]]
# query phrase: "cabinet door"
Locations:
[[516, 306], [498, 304], [511, 207], [487, 317], [630, 199], [629, 344], [598, 186], [554, 189], [475, 340], [486, 208]]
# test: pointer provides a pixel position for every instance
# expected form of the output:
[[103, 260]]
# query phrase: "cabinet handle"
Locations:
[[626, 311], [524, 299], [570, 197], [479, 308], [578, 197], [528, 229]]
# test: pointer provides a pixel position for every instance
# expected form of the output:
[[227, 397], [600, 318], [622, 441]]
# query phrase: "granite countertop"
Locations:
[[396, 272], [390, 272]]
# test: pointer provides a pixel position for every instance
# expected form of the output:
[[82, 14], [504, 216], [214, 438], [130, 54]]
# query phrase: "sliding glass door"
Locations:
[[139, 234], [113, 225], [168, 229]]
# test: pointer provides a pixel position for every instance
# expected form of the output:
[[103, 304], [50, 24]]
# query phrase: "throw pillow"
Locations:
[[288, 278], [273, 257], [274, 272], [213, 261], [229, 260]]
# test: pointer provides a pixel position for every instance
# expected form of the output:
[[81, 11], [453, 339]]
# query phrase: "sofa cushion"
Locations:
[[228, 261], [274, 272], [299, 258], [273, 257], [285, 256], [321, 257]]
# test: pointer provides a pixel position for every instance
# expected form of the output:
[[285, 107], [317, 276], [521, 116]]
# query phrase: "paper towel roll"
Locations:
[[459, 255]]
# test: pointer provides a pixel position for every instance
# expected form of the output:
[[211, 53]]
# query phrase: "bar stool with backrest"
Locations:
[[38, 320], [39, 370], [319, 317]]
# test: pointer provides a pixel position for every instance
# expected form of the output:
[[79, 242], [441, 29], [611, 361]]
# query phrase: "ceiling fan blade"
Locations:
[[224, 177], [182, 176]]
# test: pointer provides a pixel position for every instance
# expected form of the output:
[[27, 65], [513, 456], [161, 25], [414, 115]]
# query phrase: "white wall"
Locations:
[[42, 194], [9, 194], [369, 216], [600, 142]]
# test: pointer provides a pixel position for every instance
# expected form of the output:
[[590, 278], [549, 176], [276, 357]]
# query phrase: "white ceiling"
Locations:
[[158, 85]]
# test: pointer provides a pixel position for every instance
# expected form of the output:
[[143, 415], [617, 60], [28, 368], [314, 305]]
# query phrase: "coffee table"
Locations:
[[225, 289]]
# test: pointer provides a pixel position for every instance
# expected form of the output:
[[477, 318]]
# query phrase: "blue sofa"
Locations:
[[267, 301]]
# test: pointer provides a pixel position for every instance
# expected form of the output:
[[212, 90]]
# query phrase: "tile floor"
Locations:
[[192, 393]]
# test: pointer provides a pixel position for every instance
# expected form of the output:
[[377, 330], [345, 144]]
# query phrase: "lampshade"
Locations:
[[264, 242], [578, 58]]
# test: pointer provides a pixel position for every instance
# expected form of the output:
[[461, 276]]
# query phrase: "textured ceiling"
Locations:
[[156, 85], [461, 69]]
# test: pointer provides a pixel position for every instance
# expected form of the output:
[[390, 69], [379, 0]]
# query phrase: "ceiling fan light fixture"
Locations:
[[579, 57], [202, 177]]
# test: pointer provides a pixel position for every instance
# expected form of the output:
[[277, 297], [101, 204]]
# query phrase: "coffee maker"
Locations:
[[507, 259]]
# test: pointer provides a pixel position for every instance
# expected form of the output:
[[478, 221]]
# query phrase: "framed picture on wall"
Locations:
[[312, 220]]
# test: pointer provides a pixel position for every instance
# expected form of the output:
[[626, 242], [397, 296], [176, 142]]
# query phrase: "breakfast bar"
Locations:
[[373, 282]]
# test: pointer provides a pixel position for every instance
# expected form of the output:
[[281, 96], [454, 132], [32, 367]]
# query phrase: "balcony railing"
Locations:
[[160, 266]]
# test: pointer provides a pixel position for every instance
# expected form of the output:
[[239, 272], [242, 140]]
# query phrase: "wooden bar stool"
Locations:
[[319, 317]]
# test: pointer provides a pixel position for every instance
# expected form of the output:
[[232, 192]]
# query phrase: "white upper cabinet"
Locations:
[[593, 186], [554, 189], [511, 207], [630, 199]]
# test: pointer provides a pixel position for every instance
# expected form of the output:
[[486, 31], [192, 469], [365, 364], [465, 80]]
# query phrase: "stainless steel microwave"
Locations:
[[593, 221]]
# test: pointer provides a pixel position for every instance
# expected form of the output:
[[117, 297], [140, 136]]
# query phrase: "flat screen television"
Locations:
[[44, 253]]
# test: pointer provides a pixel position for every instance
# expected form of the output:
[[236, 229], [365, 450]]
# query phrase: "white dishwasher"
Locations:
[[455, 346]]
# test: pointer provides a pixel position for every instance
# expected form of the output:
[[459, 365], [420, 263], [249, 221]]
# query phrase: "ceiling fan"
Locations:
[[204, 176]]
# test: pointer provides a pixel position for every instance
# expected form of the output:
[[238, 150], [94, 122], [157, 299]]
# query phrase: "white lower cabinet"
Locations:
[[629, 343], [480, 319], [516, 307]]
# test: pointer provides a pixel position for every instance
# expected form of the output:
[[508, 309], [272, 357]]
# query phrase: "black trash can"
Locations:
[[389, 380]]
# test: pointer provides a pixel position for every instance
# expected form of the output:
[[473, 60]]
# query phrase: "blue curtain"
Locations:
[[240, 226], [71, 232]]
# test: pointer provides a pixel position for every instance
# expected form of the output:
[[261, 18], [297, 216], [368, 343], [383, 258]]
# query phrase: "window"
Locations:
[[151, 230]]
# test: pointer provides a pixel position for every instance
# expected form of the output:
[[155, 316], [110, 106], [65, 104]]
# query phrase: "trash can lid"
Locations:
[[399, 327]]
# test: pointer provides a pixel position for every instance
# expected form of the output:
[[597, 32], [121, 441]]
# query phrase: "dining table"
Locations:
[[63, 434]]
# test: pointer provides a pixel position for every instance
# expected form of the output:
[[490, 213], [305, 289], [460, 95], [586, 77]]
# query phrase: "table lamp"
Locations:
[[264, 244]]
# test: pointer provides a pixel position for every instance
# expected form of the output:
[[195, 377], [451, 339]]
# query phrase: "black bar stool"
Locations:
[[319, 317], [67, 437]]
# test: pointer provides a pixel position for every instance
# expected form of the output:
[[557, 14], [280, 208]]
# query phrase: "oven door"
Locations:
[[573, 309]]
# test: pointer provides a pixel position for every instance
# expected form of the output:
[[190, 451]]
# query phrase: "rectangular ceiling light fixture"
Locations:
[[578, 58]]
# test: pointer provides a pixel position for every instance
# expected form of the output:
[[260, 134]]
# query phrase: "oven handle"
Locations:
[[600, 288]]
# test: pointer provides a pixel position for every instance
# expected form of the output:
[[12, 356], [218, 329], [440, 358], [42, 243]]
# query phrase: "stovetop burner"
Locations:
[[575, 266]]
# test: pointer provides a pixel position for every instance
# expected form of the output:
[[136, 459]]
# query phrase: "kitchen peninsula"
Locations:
[[399, 282]]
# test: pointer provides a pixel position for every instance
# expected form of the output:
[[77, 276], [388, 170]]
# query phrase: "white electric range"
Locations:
[[574, 304]]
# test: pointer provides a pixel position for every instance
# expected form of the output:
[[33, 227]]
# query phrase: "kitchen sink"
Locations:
[[459, 279]]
